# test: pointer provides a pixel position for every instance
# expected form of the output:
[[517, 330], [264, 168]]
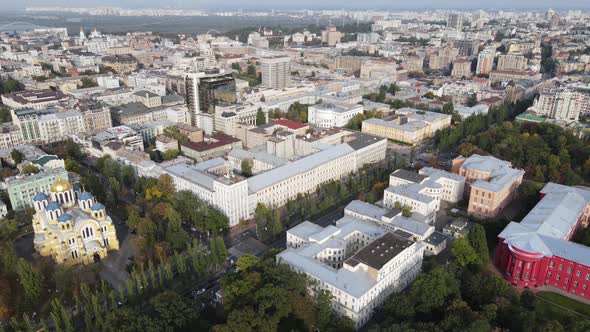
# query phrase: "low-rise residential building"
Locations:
[[458, 228], [97, 119], [490, 182], [124, 63], [467, 111], [435, 243], [3, 210], [109, 141], [511, 75], [149, 130], [165, 143]]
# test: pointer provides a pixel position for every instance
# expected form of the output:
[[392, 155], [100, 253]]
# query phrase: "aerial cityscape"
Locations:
[[310, 166]]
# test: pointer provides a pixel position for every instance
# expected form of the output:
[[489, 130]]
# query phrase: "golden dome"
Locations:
[[61, 185]]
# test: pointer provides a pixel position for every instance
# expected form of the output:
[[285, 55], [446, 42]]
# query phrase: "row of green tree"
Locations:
[[250, 74], [107, 309], [356, 123], [545, 151], [381, 95], [296, 112], [449, 138], [266, 296]]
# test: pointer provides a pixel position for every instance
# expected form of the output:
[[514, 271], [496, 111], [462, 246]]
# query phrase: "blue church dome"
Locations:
[[85, 196], [97, 207], [40, 197], [53, 206], [65, 217]]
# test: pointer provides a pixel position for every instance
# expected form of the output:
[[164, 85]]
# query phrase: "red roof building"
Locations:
[[298, 128]]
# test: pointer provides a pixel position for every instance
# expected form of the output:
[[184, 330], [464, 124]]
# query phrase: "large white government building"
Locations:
[[215, 181], [357, 261]]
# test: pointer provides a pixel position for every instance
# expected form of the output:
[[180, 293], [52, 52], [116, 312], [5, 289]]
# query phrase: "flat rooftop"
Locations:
[[379, 252], [409, 176]]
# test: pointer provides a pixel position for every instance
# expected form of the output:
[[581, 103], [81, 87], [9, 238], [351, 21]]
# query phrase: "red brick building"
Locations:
[[537, 251]]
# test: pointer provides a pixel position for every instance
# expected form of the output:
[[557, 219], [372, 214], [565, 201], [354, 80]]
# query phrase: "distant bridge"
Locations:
[[217, 32], [20, 27]]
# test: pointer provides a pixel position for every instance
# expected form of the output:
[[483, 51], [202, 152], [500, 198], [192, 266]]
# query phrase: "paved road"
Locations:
[[114, 265]]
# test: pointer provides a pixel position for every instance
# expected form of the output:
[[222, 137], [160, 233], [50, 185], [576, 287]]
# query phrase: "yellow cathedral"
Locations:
[[70, 226]]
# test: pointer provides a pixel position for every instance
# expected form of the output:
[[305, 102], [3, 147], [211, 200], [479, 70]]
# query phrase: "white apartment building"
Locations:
[[47, 126], [360, 264], [10, 136], [559, 103], [54, 127], [328, 115], [107, 82], [142, 81], [276, 72]]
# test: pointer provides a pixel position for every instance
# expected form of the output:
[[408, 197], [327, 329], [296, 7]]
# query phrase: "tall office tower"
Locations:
[[276, 72], [485, 62], [204, 91], [455, 21]]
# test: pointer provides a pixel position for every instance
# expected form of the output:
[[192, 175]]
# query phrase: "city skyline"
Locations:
[[306, 4]]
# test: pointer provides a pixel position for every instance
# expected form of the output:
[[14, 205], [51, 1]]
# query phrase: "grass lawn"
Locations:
[[549, 310]]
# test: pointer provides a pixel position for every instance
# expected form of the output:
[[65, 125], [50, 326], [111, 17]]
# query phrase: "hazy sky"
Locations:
[[278, 4]]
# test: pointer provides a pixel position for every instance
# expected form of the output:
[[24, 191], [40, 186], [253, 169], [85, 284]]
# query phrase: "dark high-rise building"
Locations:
[[205, 90]]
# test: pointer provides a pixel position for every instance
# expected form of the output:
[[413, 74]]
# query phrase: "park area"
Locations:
[[556, 306]]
